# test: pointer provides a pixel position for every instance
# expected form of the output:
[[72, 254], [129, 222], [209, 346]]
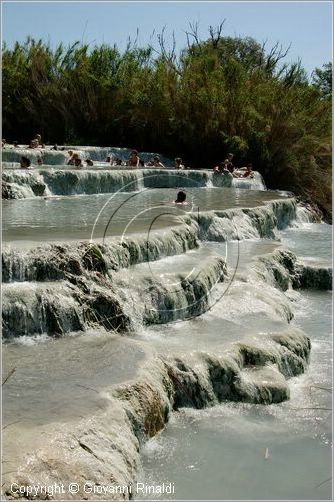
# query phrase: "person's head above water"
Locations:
[[181, 197], [25, 162], [33, 143]]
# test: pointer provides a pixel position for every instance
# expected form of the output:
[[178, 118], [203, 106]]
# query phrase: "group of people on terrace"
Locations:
[[227, 167], [36, 142], [76, 161], [134, 161]]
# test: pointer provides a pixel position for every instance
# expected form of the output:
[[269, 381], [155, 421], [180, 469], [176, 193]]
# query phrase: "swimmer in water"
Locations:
[[181, 197], [25, 163]]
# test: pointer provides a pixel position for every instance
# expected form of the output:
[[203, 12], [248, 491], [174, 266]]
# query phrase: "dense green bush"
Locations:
[[219, 95]]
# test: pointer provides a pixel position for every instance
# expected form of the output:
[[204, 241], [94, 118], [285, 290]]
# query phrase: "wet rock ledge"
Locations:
[[105, 449]]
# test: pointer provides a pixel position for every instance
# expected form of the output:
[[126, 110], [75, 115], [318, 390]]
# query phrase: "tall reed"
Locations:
[[217, 95]]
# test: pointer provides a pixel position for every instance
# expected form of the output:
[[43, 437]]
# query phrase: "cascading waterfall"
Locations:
[[41, 182], [112, 287], [247, 223], [88, 274], [114, 302], [56, 178], [53, 262], [50, 157], [254, 183], [105, 448], [48, 262], [60, 156]]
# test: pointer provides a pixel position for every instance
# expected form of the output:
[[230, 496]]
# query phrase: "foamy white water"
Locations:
[[220, 453], [188, 306]]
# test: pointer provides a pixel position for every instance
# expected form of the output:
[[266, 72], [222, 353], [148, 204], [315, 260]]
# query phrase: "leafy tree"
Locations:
[[217, 95], [322, 79]]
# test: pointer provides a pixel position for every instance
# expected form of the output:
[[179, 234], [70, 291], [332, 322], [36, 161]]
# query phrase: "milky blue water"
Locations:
[[63, 218], [219, 453]]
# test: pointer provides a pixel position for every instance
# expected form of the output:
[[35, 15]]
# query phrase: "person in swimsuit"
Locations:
[[38, 139], [155, 162], [178, 163], [248, 173], [33, 144], [78, 162], [229, 162], [134, 159]]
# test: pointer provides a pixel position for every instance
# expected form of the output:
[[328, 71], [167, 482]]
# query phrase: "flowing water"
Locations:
[[70, 218], [220, 453], [165, 297]]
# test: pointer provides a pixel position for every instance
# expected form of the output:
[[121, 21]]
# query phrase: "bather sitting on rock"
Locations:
[[78, 162], [218, 169], [178, 163], [33, 144], [229, 162], [70, 153], [73, 156], [244, 172], [38, 139], [181, 198], [155, 162], [222, 168], [25, 163], [133, 159], [89, 162], [248, 172]]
